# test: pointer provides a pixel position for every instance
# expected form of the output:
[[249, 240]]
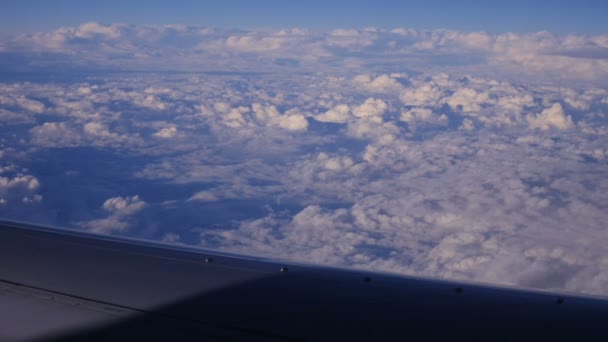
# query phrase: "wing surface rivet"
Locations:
[[208, 260], [284, 269]]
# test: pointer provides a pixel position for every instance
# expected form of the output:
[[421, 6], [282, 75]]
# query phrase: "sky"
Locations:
[[419, 138], [560, 16]]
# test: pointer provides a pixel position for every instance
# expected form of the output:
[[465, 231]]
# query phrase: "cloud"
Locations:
[[338, 114], [171, 238], [27, 181], [427, 94], [151, 102], [351, 38], [533, 57], [56, 133], [203, 196], [335, 163], [467, 125], [62, 134], [16, 185], [166, 133], [291, 120], [93, 29], [434, 171], [98, 130], [259, 115], [22, 102], [32, 200], [253, 44], [553, 117], [18, 109], [468, 100], [417, 115], [380, 84], [121, 210], [107, 225], [124, 205], [373, 128], [449, 207], [371, 107]]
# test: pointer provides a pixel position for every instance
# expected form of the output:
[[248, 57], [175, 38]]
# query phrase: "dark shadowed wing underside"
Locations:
[[58, 284]]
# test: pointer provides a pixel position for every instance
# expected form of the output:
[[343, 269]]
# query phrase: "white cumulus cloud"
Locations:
[[553, 117], [371, 107]]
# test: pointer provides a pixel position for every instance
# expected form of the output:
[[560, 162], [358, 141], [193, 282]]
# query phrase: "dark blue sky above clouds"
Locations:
[[560, 16], [417, 137]]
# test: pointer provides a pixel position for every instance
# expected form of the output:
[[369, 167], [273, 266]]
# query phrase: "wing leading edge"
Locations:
[[58, 284]]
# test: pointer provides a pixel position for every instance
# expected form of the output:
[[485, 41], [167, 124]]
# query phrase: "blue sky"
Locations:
[[560, 16]]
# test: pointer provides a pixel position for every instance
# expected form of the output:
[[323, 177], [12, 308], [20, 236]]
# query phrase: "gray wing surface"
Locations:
[[65, 285]]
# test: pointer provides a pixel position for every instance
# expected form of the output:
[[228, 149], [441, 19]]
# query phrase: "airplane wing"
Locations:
[[66, 285]]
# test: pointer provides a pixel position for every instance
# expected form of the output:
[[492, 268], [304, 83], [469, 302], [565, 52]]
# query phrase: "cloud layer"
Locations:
[[540, 56], [437, 153]]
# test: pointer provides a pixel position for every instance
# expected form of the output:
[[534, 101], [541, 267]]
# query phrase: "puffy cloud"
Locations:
[[515, 103], [371, 107], [418, 115], [467, 125], [27, 181], [427, 94], [17, 185], [335, 163], [234, 117], [32, 200], [266, 116], [94, 29], [124, 205], [373, 128], [10, 117], [553, 117], [55, 133], [203, 196], [255, 44], [18, 109], [380, 84], [533, 56], [291, 120], [338, 114], [24, 103], [350, 38], [121, 210], [166, 133], [311, 230], [448, 206], [437, 175], [98, 130], [468, 100], [60, 134], [151, 102], [107, 225]]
